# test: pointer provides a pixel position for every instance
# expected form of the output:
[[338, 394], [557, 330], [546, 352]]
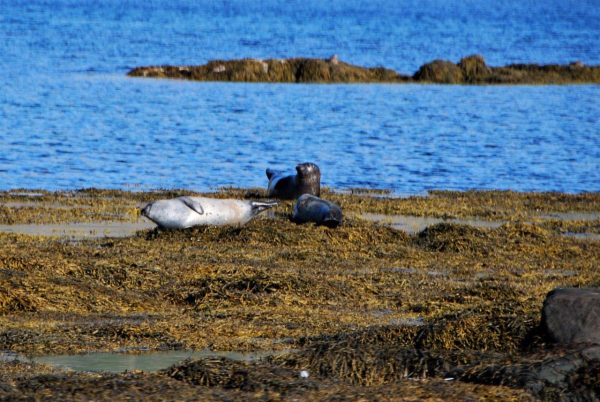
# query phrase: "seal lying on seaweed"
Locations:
[[307, 180], [185, 212], [309, 208]]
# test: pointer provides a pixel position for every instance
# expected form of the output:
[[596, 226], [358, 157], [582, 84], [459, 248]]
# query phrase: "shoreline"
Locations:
[[470, 70], [363, 309]]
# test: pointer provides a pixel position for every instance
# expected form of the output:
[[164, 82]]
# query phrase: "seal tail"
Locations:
[[259, 206], [270, 173]]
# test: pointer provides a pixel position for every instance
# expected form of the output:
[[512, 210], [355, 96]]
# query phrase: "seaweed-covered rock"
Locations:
[[245, 376], [440, 71], [561, 375], [300, 69], [470, 70], [572, 315], [450, 237], [544, 74], [474, 68]]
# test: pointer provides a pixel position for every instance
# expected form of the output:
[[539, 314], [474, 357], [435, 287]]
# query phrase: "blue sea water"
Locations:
[[70, 118]]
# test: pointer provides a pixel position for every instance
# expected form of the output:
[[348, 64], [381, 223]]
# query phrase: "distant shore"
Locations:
[[469, 70]]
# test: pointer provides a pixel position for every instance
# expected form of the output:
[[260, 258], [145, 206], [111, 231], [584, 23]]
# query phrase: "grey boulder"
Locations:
[[572, 315]]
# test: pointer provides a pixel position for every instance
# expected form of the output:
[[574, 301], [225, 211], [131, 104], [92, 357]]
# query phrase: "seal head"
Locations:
[[307, 180], [309, 208]]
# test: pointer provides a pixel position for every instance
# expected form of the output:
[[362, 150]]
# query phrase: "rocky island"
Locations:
[[469, 70]]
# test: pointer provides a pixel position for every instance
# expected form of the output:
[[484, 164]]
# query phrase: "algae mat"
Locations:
[[347, 300]]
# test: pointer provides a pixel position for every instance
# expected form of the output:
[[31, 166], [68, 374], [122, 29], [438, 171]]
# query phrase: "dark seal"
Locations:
[[309, 208], [307, 180]]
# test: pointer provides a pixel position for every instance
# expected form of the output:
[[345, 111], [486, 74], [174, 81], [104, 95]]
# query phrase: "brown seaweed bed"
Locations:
[[370, 312]]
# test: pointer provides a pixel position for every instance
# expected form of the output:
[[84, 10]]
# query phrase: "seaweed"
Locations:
[[367, 309]]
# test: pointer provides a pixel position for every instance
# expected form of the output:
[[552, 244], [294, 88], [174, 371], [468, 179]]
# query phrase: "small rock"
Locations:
[[572, 315], [264, 65], [334, 60], [304, 374], [440, 71], [219, 69], [474, 67]]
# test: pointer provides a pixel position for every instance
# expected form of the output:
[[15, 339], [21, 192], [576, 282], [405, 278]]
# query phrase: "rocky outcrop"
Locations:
[[567, 368], [560, 375], [473, 67], [571, 316], [298, 70], [469, 70], [440, 71], [474, 70]]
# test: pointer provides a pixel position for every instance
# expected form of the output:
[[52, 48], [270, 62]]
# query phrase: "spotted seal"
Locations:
[[309, 208], [184, 212], [307, 180]]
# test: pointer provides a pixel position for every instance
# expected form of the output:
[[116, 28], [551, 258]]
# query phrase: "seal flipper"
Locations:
[[259, 206], [333, 219], [270, 173], [193, 205]]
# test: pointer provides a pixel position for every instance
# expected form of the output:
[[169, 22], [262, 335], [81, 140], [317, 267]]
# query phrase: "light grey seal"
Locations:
[[184, 212], [309, 208], [307, 180]]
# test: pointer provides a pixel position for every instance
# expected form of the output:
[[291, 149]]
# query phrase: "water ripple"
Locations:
[[69, 118]]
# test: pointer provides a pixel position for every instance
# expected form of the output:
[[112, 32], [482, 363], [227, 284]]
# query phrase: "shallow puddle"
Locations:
[[31, 194], [119, 362], [408, 322], [583, 236], [32, 204], [415, 224], [11, 357], [80, 230], [571, 216], [383, 194]]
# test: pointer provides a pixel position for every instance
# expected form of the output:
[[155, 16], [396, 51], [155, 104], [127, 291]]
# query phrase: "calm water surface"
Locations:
[[69, 118]]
